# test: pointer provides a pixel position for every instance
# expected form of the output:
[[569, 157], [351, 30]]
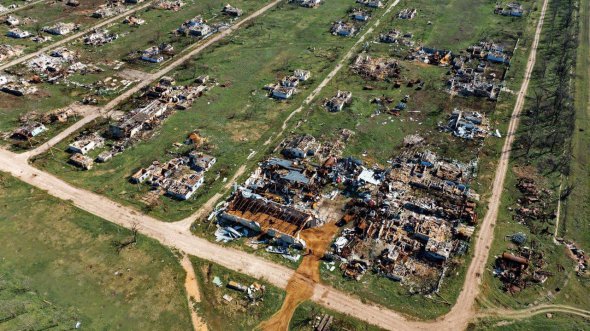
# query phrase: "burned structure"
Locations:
[[407, 221]]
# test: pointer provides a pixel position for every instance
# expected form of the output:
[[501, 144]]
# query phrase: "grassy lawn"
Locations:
[[239, 314], [305, 315], [65, 261]]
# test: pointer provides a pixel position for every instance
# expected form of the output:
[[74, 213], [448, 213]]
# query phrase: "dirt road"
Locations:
[[102, 23]]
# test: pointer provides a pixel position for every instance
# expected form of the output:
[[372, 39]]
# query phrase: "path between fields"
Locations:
[[502, 313], [147, 80], [170, 235], [192, 292], [102, 23]]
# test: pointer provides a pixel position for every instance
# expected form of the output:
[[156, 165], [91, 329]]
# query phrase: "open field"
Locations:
[[67, 261], [557, 322]]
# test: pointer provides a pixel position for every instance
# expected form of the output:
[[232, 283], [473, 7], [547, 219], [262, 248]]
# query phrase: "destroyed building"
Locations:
[[513, 9], [371, 3], [81, 161], [195, 27], [60, 28], [376, 68], [307, 3], [29, 130], [18, 33], [344, 29], [407, 13], [99, 37], [180, 97], [396, 37], [155, 54], [9, 51], [337, 102], [408, 220], [360, 15], [467, 125], [173, 5], [286, 87], [178, 177], [109, 10], [138, 120], [133, 20], [231, 11], [85, 143]]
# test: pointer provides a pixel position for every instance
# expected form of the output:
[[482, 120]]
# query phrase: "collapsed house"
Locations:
[[81, 161], [9, 51], [60, 28], [344, 29], [180, 97], [155, 54], [231, 11], [307, 3], [109, 10], [133, 21], [468, 125], [195, 27], [376, 68], [480, 71], [407, 13], [432, 56], [371, 3], [18, 33], [521, 269], [138, 120], [337, 102], [179, 178], [396, 37], [173, 5], [29, 130], [85, 143], [408, 220], [513, 9], [360, 15], [286, 87], [99, 37]]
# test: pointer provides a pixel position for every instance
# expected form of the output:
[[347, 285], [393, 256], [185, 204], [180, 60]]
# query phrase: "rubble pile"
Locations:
[[307, 3], [231, 11], [99, 37], [533, 205], [376, 68], [9, 51], [521, 269], [407, 13], [179, 177], [57, 116], [196, 27], [344, 29], [16, 86], [371, 3], [155, 54], [337, 102], [109, 10], [468, 125], [513, 9], [180, 97], [173, 5], [407, 221], [396, 37]]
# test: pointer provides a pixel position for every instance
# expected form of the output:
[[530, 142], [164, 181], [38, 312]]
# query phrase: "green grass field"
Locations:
[[64, 267], [304, 315], [557, 322]]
